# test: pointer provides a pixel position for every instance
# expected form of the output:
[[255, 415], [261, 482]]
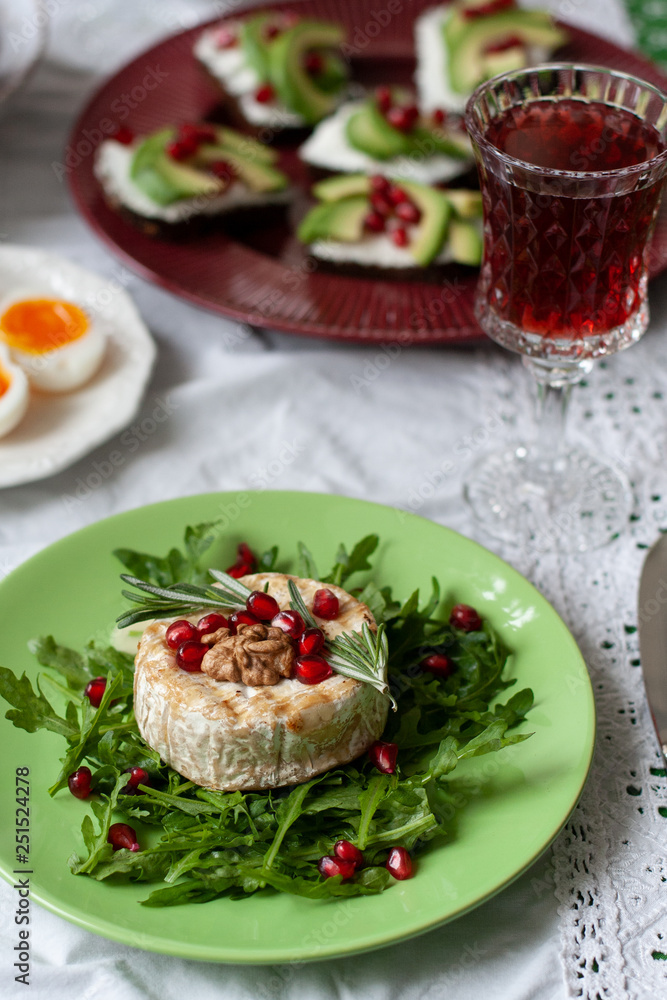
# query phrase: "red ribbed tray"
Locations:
[[264, 279]]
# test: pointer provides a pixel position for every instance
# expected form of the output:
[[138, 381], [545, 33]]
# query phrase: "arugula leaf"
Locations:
[[354, 562], [176, 566], [32, 712], [66, 661], [306, 566]]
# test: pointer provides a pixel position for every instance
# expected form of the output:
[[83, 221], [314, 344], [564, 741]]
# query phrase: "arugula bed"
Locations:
[[198, 844]]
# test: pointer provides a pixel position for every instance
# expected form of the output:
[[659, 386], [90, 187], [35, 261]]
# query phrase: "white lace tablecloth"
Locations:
[[588, 920]]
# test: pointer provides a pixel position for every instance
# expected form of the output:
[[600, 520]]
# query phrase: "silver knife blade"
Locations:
[[652, 620]]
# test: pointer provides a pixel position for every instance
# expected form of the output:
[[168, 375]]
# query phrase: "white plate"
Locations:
[[22, 39], [58, 429]]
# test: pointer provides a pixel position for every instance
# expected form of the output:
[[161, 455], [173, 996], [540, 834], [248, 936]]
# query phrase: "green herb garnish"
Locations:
[[198, 844]]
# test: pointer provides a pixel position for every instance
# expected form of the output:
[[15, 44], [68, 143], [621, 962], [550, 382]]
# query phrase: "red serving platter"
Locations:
[[263, 277]]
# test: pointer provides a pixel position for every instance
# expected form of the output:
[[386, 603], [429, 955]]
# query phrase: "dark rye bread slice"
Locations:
[[198, 225]]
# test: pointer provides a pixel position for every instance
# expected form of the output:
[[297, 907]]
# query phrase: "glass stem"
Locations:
[[554, 388]]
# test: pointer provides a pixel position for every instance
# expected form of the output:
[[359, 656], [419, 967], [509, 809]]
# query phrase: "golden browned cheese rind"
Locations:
[[224, 735]]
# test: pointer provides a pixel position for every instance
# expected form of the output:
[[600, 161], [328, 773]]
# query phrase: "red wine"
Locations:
[[558, 260]]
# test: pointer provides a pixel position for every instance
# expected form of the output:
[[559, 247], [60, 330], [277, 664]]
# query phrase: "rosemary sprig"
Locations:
[[297, 602], [363, 657], [180, 598]]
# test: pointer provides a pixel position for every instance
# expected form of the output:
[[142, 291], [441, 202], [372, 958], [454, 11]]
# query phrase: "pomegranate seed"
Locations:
[[262, 605], [123, 135], [412, 113], [408, 212], [311, 669], [271, 31], [94, 690], [180, 632], [312, 641], [439, 116], [189, 132], [314, 63], [210, 624], [226, 38], [222, 170], [397, 195], [181, 149], [375, 222], [437, 664], [240, 569], [325, 604], [380, 184], [400, 237], [399, 863], [245, 561], [122, 835], [290, 622], [242, 618], [346, 851], [383, 98], [138, 776], [330, 866], [190, 654], [79, 783], [383, 756], [465, 618], [381, 204], [265, 93], [400, 119]]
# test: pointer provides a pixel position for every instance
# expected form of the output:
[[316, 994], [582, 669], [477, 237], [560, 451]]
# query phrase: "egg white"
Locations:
[[13, 402], [63, 368]]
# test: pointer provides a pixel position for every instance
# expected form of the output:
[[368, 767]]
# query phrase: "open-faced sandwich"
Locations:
[[249, 701], [461, 44], [386, 134], [375, 222], [276, 70], [166, 180]]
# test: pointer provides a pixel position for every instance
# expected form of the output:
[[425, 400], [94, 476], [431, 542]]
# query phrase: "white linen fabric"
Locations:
[[588, 919]]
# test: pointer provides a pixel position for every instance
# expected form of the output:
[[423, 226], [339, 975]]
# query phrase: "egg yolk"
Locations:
[[39, 325], [5, 381]]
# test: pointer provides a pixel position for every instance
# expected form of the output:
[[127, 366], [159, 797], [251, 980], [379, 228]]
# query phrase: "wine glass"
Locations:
[[571, 160]]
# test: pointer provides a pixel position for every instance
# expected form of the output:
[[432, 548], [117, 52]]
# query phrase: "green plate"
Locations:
[[516, 801]]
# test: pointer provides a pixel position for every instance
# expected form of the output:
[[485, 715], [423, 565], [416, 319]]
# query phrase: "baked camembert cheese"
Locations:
[[229, 735]]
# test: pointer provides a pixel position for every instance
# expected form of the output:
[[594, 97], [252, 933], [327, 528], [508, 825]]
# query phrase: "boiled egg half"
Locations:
[[14, 393], [54, 341]]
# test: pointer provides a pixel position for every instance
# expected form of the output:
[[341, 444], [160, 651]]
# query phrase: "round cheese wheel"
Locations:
[[225, 735]]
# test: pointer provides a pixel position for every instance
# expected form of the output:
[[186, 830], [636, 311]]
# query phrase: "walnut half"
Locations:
[[258, 655]]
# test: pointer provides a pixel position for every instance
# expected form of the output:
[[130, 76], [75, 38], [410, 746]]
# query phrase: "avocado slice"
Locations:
[[255, 46], [494, 63], [370, 132], [342, 221], [244, 144], [467, 39], [261, 177], [342, 186], [448, 143], [296, 88], [465, 243], [466, 204], [430, 234], [163, 179]]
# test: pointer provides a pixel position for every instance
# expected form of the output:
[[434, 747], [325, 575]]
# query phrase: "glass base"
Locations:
[[570, 505]]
